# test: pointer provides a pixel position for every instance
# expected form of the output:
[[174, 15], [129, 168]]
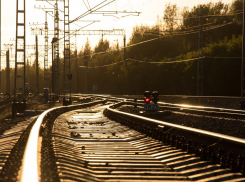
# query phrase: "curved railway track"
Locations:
[[203, 110], [96, 142]]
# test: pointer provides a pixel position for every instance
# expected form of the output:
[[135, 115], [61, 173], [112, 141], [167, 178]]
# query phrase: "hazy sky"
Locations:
[[149, 9]]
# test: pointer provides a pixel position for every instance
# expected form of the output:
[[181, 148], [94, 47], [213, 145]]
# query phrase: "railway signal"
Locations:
[[148, 105], [155, 97], [147, 97]]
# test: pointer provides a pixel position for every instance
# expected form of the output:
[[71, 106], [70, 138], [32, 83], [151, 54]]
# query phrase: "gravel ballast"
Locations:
[[227, 126]]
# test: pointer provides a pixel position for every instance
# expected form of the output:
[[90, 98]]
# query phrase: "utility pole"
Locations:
[[55, 42], [46, 74], [124, 50], [7, 73], [200, 55], [56, 60], [28, 71], [19, 81], [0, 45], [86, 77], [37, 68], [76, 76], [67, 56], [53, 79], [242, 65]]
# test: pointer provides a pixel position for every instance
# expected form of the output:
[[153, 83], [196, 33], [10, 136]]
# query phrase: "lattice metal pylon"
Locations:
[[37, 68], [7, 73], [76, 63], [46, 73], [200, 55], [56, 60], [67, 55], [19, 83]]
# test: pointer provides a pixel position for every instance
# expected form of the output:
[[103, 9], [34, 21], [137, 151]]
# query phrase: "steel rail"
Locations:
[[30, 162], [107, 97], [202, 107], [171, 104], [217, 136], [187, 106], [182, 107], [211, 111], [118, 149], [30, 167]]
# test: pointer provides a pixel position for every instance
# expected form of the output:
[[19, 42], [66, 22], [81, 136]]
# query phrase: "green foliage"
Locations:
[[222, 49], [237, 7], [102, 46]]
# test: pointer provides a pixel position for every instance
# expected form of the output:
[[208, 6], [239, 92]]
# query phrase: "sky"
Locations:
[[149, 10]]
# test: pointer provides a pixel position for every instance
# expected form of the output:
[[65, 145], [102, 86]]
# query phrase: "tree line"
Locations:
[[163, 57]]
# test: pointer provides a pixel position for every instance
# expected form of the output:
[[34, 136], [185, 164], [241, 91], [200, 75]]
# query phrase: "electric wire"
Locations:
[[88, 4], [171, 62], [223, 57], [150, 40], [85, 4], [91, 10], [103, 66], [185, 32], [168, 62], [205, 16]]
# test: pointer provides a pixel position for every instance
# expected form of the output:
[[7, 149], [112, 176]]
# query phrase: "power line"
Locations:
[[223, 57], [205, 16], [91, 10], [103, 65], [160, 36], [169, 62], [85, 4], [88, 4]]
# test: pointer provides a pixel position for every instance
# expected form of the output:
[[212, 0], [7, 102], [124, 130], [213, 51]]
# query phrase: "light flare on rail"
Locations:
[[30, 164]]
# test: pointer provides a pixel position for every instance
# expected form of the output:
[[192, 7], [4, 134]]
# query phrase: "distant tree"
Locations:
[[87, 50], [170, 18], [102, 46], [236, 6]]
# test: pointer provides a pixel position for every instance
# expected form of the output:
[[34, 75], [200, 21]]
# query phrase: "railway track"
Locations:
[[96, 142], [185, 108]]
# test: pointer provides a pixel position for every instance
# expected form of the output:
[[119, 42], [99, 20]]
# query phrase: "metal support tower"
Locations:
[[56, 60], [200, 55], [242, 64], [67, 55], [46, 73], [7, 73], [28, 71], [0, 45], [124, 50], [76, 75], [19, 82], [86, 76], [37, 68]]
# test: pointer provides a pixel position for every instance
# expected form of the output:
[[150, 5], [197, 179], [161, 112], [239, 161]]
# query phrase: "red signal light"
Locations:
[[147, 99]]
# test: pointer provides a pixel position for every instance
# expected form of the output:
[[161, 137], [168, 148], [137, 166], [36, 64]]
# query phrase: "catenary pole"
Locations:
[[242, 65]]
